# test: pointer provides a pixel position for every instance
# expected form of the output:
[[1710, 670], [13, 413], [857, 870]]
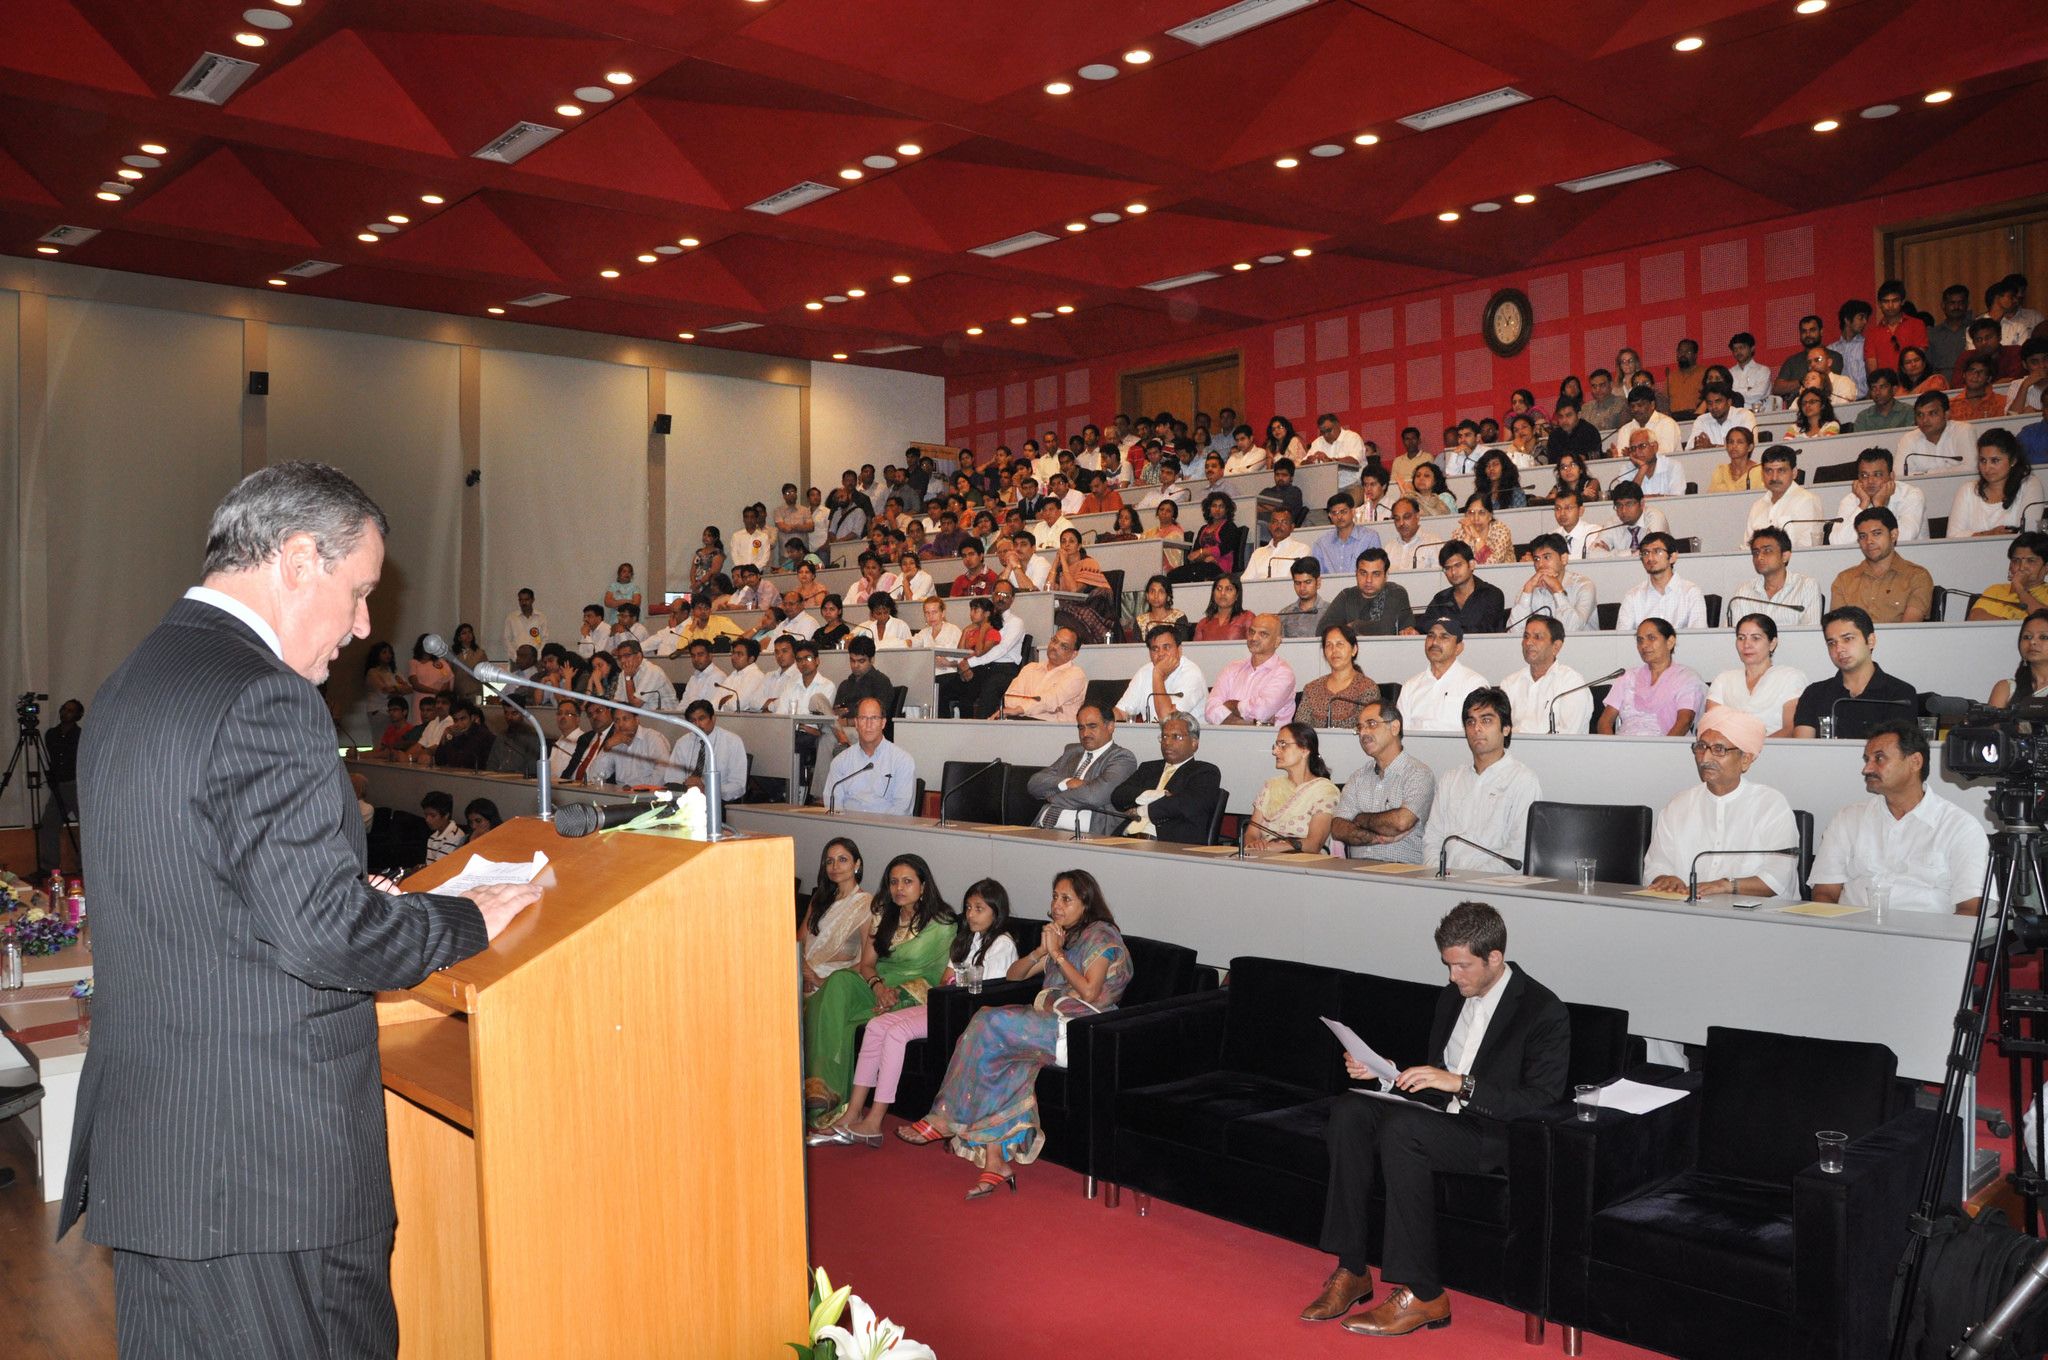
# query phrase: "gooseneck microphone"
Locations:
[[1249, 823], [1692, 878], [850, 774], [714, 818], [1443, 856], [1551, 707], [435, 645]]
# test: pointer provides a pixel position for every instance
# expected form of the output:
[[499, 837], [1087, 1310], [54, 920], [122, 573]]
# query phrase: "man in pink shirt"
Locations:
[[1260, 688], [1050, 690]]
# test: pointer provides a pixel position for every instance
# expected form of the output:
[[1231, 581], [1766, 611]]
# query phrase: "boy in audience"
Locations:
[[1374, 606], [1555, 590], [595, 635], [1299, 619], [1581, 535], [1937, 443], [1876, 486], [443, 835], [1634, 521], [398, 728], [1664, 594], [1710, 428], [1751, 380], [1477, 605], [1978, 401], [467, 744], [1486, 801], [1886, 411]]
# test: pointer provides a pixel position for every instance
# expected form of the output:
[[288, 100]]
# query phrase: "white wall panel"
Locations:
[[385, 412], [565, 481], [735, 441], [869, 415], [144, 440]]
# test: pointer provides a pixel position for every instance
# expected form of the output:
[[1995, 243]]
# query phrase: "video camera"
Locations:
[[2006, 744], [26, 708]]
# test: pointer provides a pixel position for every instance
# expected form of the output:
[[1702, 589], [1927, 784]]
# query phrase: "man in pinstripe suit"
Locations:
[[230, 1133]]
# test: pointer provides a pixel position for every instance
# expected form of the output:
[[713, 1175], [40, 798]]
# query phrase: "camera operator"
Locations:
[[61, 743]]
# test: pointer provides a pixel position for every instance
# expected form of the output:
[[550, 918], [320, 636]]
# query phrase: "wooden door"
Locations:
[[1974, 251]]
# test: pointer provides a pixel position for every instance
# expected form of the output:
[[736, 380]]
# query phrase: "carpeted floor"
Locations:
[[1044, 1272]]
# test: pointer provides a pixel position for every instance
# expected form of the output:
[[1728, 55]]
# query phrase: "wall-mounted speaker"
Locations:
[[661, 423], [259, 383]]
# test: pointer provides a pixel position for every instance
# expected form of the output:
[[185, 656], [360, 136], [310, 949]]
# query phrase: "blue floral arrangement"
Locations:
[[41, 931]]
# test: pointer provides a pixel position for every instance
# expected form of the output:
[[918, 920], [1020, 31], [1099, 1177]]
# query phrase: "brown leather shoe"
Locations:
[[1342, 1292], [1401, 1314]]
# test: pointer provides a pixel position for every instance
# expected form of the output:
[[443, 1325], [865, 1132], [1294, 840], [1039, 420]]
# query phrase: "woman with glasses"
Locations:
[[1293, 810]]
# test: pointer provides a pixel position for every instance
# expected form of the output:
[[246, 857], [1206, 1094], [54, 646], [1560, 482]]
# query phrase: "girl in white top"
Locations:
[[983, 946], [2003, 495], [1759, 687], [839, 915]]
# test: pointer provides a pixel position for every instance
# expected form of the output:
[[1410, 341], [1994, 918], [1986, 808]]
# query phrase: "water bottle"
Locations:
[[10, 965]]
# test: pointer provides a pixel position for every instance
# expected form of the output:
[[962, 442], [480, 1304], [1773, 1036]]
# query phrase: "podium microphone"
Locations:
[[850, 774], [714, 819], [1443, 856], [435, 645], [584, 819], [1692, 883]]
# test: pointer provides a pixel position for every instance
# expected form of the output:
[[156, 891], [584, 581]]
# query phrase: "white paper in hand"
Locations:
[[481, 872], [1359, 1049]]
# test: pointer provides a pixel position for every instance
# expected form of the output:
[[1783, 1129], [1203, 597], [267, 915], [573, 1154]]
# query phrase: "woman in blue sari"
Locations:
[[988, 1107]]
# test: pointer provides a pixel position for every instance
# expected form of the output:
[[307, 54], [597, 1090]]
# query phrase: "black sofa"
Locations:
[[1220, 1105]]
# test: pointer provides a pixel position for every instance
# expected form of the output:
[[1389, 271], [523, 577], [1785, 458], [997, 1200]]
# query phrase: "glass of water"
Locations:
[[973, 976], [1588, 870]]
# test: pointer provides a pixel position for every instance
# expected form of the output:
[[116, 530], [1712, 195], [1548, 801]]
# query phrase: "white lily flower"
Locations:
[[873, 1338]]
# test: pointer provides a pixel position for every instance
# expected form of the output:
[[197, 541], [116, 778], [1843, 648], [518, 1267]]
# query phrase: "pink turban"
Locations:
[[1745, 730]]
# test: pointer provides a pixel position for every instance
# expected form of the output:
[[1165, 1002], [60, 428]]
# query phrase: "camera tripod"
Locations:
[[2012, 877], [33, 757]]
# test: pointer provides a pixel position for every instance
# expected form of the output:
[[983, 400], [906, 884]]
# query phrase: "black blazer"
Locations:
[[231, 1099], [1181, 814], [1525, 1057]]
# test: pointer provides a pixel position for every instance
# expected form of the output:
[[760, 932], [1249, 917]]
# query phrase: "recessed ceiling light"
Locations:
[[1105, 218], [879, 162], [569, 110], [1880, 111], [368, 238], [1525, 198], [814, 306], [1287, 162], [1137, 56], [1688, 44], [141, 162], [607, 273], [1326, 150], [251, 39], [381, 228], [1272, 259], [1077, 226], [276, 283], [1042, 316], [495, 311], [1020, 320], [668, 250], [1302, 252], [1446, 217], [154, 149], [856, 292], [839, 356], [899, 278], [1826, 125], [648, 258], [1059, 87], [1366, 139], [1811, 6], [288, 4], [1938, 96], [1134, 209], [266, 18], [618, 78], [688, 243], [129, 174], [835, 298], [400, 218], [594, 94], [435, 199], [849, 173], [1099, 70], [46, 250], [1242, 265], [1488, 206], [1065, 309], [686, 335], [910, 149], [974, 330]]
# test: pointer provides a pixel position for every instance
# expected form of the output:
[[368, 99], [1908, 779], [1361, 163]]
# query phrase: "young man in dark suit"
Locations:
[[1172, 798], [1502, 1048], [229, 1143]]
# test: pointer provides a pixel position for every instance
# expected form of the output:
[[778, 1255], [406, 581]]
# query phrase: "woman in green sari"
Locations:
[[902, 959]]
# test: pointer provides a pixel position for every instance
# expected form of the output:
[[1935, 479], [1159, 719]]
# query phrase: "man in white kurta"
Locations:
[[1433, 699], [1486, 801], [1901, 848], [1168, 673], [1547, 695], [1726, 811]]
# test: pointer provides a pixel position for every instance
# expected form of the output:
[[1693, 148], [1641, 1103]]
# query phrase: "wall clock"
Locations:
[[1508, 322]]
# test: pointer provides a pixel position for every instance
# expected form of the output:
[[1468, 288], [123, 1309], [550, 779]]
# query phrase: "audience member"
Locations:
[[1258, 689], [1647, 437], [621, 590], [1785, 504], [468, 743], [631, 755], [1077, 791], [1160, 611], [975, 577], [1721, 418], [428, 674], [995, 637], [1722, 821], [1571, 433], [1759, 686], [1741, 472], [1791, 596], [2022, 592], [1333, 699], [1433, 699], [1226, 619], [730, 752], [871, 774], [1750, 379], [1884, 585], [1875, 485], [1298, 620], [1476, 604], [938, 631], [2005, 491], [1659, 698], [804, 691], [1050, 690], [882, 627], [1385, 807], [2028, 393], [1979, 401], [1429, 491], [1293, 809], [525, 625], [1859, 694], [833, 630], [1582, 536], [1489, 539], [1554, 589], [1168, 683], [1900, 849], [1174, 798], [1664, 594], [1408, 547], [644, 683], [1550, 695], [1935, 441], [444, 835], [747, 689], [2030, 680], [1487, 802], [1374, 606]]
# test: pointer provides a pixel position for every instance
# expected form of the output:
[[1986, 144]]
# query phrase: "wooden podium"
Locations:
[[596, 1124]]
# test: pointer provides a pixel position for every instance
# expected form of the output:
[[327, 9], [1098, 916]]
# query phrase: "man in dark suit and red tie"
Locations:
[[229, 1143], [1500, 1048]]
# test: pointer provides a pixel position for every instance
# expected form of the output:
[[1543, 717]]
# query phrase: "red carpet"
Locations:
[[1044, 1272]]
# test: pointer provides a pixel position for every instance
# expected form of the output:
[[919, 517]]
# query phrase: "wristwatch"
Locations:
[[1465, 1085]]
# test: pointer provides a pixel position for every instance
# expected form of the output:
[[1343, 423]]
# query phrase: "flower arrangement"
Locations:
[[82, 990], [40, 930], [870, 1338]]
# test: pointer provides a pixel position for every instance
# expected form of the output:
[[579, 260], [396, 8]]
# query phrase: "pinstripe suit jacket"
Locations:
[[231, 1098]]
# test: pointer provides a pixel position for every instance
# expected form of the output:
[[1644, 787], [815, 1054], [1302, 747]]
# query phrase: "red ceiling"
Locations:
[[361, 106]]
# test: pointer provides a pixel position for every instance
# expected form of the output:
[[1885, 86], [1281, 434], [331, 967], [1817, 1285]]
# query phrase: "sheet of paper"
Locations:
[[1389, 867], [1361, 1050], [1210, 849], [1114, 840], [1822, 909], [1633, 1097], [1514, 880], [481, 872], [1397, 1097], [1661, 894], [1296, 857]]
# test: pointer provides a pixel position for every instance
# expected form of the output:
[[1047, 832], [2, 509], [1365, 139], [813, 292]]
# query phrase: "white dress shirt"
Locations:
[[1186, 686], [1753, 381], [1577, 607], [525, 630], [1583, 539], [257, 624], [1490, 808], [1417, 554], [1955, 451], [1753, 816], [704, 685], [1274, 562], [1717, 430], [1009, 646], [894, 633], [1469, 1032], [1908, 505], [1796, 601], [1531, 700], [1347, 448], [1177, 493], [798, 697], [1661, 428], [596, 640], [1252, 459], [1928, 860], [1667, 478], [1681, 603], [687, 756], [1796, 504], [749, 686], [749, 548], [1048, 535], [1624, 539], [947, 634], [642, 760], [1432, 703], [653, 689]]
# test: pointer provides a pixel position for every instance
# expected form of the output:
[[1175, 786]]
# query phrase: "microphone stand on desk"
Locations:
[[1443, 856]]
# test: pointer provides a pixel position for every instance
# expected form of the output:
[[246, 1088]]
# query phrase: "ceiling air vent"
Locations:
[[729, 327], [1608, 178], [516, 141], [796, 196], [1179, 281], [214, 78], [1232, 20], [309, 269], [891, 349], [1027, 241], [68, 236], [539, 299], [1493, 101]]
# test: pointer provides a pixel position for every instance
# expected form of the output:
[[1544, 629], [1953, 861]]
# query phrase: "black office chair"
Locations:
[[1713, 610], [1599, 693], [1560, 834], [1390, 695], [1804, 821], [1835, 472], [1610, 614], [1937, 527], [1104, 693], [968, 792], [917, 799], [1216, 819], [1019, 807], [898, 697], [1116, 602]]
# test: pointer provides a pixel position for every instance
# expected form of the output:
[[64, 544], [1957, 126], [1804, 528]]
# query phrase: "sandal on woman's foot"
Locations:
[[918, 1134], [989, 1180]]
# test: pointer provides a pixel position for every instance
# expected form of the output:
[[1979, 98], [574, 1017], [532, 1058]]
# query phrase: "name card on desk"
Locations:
[[1517, 880], [1115, 840], [1210, 849], [1295, 857], [1825, 910], [1661, 894], [1391, 867]]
